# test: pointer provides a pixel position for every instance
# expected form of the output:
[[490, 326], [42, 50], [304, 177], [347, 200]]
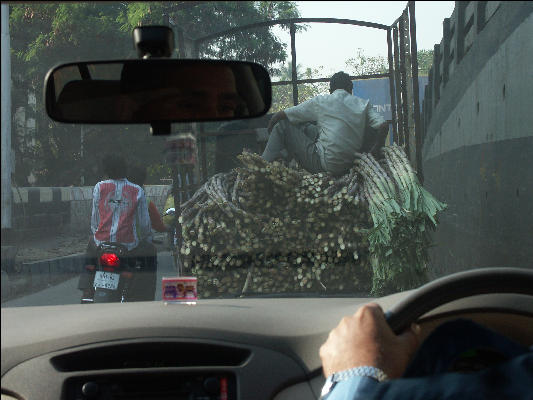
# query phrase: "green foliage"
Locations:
[[257, 44], [365, 65], [425, 61], [362, 64], [401, 210], [43, 35], [358, 65], [282, 95]]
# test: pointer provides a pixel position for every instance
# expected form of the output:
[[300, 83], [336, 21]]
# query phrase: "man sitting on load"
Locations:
[[342, 121]]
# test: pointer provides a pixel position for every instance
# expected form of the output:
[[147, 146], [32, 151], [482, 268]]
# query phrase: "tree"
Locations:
[[46, 34], [257, 44], [425, 61], [43, 35], [285, 72], [358, 65], [365, 65], [282, 94], [361, 64]]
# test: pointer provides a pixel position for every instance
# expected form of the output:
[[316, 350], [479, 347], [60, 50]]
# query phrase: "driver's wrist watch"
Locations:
[[370, 372]]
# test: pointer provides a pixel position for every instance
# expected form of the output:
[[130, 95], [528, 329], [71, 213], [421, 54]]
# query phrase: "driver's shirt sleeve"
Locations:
[[355, 388], [506, 380]]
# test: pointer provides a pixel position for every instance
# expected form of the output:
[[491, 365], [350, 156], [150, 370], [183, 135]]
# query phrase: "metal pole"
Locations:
[[316, 80], [294, 74], [409, 89], [82, 138], [397, 84], [391, 87], [414, 66], [7, 196], [176, 232], [403, 74]]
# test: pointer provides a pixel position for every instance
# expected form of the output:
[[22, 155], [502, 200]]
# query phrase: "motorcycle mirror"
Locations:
[[156, 91]]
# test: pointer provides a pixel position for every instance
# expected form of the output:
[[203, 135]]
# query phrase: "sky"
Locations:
[[330, 45]]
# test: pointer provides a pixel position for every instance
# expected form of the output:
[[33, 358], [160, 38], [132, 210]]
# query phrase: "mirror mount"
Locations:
[[154, 41]]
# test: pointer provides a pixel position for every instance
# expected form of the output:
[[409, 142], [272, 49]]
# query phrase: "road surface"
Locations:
[[68, 293]]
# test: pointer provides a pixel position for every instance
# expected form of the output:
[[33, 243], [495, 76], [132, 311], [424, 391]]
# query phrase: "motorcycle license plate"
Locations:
[[106, 280]]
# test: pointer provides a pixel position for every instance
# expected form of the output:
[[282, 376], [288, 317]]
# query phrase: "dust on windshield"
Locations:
[[377, 169]]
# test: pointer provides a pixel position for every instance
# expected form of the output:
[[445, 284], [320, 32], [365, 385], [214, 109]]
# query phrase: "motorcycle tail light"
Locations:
[[109, 260]]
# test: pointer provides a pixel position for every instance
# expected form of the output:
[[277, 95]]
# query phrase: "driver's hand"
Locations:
[[365, 339]]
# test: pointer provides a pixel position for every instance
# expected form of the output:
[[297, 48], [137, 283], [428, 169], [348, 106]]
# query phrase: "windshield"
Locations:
[[411, 164]]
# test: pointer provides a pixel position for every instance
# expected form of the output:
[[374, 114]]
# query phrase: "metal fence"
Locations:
[[402, 74], [403, 70]]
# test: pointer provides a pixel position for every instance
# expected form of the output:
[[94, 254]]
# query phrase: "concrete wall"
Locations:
[[478, 139], [65, 207]]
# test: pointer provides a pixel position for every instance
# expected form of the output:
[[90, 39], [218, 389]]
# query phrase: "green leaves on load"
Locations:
[[400, 208]]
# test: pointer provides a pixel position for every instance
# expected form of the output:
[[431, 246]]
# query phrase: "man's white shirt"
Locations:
[[341, 119]]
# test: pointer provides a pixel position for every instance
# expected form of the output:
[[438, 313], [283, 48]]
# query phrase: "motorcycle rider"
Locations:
[[137, 175], [120, 215]]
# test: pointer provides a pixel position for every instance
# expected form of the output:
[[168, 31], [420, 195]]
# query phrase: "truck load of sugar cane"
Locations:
[[266, 228]]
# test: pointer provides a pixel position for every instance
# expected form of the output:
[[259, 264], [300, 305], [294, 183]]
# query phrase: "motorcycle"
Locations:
[[115, 275]]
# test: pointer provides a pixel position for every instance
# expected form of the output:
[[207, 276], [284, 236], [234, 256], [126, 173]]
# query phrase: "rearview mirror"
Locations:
[[152, 91]]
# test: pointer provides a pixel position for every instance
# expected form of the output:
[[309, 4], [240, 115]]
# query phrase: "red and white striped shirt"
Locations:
[[120, 213]]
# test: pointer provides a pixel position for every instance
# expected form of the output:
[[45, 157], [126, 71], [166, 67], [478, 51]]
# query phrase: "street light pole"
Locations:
[[7, 195], [82, 138]]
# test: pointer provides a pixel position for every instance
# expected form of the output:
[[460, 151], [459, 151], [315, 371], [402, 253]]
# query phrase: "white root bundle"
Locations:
[[266, 228]]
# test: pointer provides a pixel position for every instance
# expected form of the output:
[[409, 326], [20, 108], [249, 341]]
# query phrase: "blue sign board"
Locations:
[[377, 91]]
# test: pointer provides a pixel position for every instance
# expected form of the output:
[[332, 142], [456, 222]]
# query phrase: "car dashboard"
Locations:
[[249, 348]]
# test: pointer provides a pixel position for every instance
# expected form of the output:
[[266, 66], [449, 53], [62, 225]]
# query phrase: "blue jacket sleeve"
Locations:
[[507, 380], [355, 388]]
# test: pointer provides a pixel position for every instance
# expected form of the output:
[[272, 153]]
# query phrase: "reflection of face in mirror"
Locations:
[[199, 92], [144, 91]]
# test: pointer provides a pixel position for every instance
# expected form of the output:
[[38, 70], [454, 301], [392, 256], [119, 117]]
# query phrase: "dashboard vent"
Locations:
[[150, 355]]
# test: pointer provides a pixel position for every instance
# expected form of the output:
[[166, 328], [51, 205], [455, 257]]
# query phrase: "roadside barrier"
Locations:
[[38, 275], [65, 207]]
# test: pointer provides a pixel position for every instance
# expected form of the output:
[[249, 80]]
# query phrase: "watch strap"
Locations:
[[371, 372], [366, 371]]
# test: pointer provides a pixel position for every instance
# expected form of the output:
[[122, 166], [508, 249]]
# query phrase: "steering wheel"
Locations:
[[458, 286]]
